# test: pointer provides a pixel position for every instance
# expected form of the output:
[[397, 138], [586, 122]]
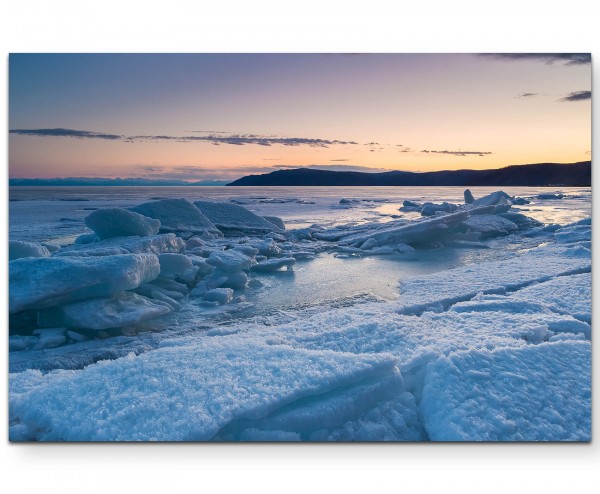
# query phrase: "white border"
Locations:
[[306, 26]]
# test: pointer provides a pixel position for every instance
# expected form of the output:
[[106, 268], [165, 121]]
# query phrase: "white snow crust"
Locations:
[[532, 393]]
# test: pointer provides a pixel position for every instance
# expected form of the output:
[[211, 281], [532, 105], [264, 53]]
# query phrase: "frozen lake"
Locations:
[[373, 293]]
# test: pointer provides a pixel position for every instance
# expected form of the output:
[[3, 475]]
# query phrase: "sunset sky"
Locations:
[[222, 116]]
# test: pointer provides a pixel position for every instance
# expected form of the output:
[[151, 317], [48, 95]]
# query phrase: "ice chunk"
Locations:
[[369, 244], [177, 215], [411, 206], [469, 199], [86, 238], [191, 275], [52, 248], [18, 249], [490, 225], [430, 209], [237, 280], [423, 231], [219, 295], [45, 282], [173, 264], [276, 220], [532, 393], [230, 261], [104, 313], [188, 391], [157, 244], [498, 197], [274, 264], [118, 222], [523, 222], [50, 337], [519, 201], [233, 218], [19, 342], [550, 196]]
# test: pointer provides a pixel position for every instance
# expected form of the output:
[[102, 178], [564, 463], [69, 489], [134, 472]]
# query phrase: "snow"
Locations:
[[46, 282], [438, 290], [533, 393], [118, 222], [182, 392], [177, 215], [574, 233], [103, 313], [18, 249], [233, 218], [564, 295]]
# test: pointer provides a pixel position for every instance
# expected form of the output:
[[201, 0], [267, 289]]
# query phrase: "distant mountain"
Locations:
[[108, 182], [539, 174]]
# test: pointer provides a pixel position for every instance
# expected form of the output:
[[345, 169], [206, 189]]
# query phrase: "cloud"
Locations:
[[577, 96], [244, 139], [458, 153], [208, 132], [341, 159], [548, 58], [231, 139], [82, 134], [526, 95]]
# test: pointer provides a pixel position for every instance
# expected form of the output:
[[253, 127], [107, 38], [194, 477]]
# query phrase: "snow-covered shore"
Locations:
[[491, 350]]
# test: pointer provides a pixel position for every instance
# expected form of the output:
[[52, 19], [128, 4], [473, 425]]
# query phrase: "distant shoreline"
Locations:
[[532, 175]]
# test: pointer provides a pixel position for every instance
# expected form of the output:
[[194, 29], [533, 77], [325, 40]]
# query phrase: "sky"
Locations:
[[222, 116]]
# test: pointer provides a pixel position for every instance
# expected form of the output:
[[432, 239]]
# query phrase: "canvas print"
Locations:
[[300, 247]]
